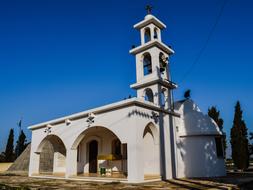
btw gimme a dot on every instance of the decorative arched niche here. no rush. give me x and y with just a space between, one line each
150 150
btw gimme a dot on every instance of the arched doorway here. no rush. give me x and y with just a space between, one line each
98 147
52 153
93 153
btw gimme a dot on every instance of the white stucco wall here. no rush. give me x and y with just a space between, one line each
127 124
195 143
59 163
197 157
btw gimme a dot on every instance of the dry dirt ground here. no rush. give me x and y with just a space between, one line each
12 182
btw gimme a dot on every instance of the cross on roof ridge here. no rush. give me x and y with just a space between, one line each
149 9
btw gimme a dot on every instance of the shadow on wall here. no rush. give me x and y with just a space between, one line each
52 155
196 143
46 158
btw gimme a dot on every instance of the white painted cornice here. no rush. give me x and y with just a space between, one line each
103 109
151 81
150 19
150 44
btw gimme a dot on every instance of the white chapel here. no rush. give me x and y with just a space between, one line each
146 138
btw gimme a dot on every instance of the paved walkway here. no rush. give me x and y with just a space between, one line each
42 184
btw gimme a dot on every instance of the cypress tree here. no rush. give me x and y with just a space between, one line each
21 144
2 157
251 145
9 154
215 115
239 141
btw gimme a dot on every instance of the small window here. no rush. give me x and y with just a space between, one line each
116 147
147 35
149 96
147 64
219 147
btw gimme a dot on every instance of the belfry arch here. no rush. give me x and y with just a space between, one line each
147 64
147 35
148 95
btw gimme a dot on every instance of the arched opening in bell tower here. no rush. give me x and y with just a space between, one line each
162 62
147 35
147 64
155 33
149 96
163 98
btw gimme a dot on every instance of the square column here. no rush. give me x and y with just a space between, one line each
135 163
71 163
167 147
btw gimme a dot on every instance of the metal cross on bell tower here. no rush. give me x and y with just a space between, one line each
149 9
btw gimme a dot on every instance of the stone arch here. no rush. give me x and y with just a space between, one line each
52 155
148 95
147 63
86 159
82 134
54 139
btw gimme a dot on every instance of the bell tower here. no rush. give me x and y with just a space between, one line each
153 81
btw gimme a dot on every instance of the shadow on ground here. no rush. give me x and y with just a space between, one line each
232 181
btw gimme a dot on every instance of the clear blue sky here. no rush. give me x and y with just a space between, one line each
59 57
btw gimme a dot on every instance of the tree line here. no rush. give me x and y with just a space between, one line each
241 147
11 153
